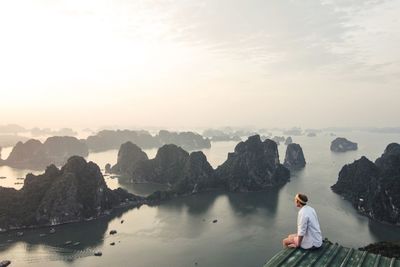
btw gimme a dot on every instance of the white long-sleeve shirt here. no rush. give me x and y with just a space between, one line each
308 227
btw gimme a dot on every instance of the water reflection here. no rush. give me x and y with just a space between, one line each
69 242
195 204
142 189
245 204
384 231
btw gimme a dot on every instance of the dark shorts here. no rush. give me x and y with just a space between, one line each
313 248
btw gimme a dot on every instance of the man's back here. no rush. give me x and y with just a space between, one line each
308 227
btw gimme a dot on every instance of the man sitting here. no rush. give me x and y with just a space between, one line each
308 231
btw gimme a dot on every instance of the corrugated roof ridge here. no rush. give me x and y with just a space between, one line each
325 248
392 262
347 258
299 259
277 256
326 257
377 259
333 255
363 256
284 257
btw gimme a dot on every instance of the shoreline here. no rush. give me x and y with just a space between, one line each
105 214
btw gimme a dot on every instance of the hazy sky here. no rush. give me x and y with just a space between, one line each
200 63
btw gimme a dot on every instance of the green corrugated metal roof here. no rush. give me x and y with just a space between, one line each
330 255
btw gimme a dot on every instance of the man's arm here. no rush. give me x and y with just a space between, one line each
301 227
300 238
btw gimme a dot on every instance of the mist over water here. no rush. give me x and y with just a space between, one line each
180 232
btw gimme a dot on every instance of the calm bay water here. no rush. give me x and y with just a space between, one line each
181 233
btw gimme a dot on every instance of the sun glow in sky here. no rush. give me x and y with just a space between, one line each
199 63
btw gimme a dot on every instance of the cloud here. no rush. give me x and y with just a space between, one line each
293 36
202 61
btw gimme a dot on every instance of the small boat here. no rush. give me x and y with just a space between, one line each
20 233
76 243
68 243
42 235
52 231
98 253
113 232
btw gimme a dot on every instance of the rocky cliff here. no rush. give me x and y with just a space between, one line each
36 155
129 155
254 165
288 140
341 144
183 172
373 188
294 158
165 168
73 193
197 175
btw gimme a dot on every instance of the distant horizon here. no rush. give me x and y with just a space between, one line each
232 127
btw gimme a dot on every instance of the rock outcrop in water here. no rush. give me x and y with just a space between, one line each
108 139
165 168
129 155
288 140
254 165
73 193
373 188
36 155
172 166
197 175
341 144
186 140
107 168
294 158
